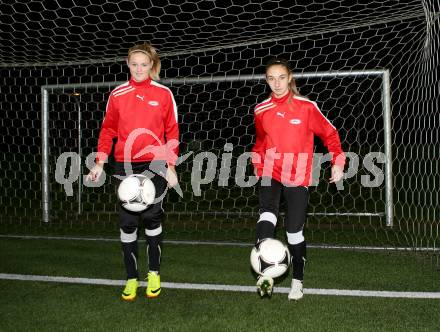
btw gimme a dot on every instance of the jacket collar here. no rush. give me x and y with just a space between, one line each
145 83
282 99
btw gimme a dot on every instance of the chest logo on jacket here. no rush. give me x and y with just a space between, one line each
295 121
140 97
281 114
153 103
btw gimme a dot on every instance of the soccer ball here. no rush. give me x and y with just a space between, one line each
270 258
136 192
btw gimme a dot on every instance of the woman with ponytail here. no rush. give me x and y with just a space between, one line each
286 124
141 116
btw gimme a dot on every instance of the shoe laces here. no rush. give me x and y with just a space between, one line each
131 286
297 285
153 280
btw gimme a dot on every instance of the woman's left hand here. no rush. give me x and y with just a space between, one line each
337 173
171 176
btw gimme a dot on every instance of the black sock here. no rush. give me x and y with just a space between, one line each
265 229
154 248
130 251
298 254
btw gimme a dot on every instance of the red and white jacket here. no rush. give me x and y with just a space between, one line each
285 129
143 118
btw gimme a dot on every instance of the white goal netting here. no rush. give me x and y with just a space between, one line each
372 67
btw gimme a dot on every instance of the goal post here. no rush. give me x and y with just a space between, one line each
78 90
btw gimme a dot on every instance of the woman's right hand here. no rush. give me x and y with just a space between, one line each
256 173
96 172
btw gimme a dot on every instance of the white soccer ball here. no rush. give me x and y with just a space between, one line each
136 192
270 258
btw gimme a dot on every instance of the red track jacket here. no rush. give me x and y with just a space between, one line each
285 129
143 118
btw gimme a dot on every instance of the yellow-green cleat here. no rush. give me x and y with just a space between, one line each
129 292
153 284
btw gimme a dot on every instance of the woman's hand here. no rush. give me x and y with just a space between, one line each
337 173
96 172
256 173
171 176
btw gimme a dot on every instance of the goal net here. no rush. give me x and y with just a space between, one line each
371 67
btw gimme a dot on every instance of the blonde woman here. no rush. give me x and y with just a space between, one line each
141 115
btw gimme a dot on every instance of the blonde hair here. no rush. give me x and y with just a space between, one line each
151 52
285 64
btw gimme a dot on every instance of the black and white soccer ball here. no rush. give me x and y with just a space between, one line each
270 258
136 192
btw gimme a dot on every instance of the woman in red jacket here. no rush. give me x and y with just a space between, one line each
286 124
141 115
